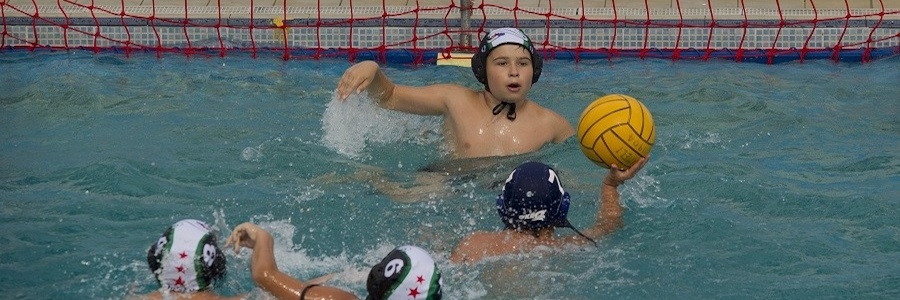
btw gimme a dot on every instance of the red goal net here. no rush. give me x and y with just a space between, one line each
422 31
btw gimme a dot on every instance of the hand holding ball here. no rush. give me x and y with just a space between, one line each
616 129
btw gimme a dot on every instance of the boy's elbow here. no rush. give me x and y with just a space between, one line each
263 276
613 225
605 227
258 275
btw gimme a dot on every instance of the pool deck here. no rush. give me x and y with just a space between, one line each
327 9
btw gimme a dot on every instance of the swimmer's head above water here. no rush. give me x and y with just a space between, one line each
503 36
533 198
407 272
186 258
494 39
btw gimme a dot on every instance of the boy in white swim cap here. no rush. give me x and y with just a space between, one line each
187 262
407 272
533 203
497 121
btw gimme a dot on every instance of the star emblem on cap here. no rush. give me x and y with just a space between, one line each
414 292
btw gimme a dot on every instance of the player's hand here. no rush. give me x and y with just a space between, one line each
244 235
356 79
617 177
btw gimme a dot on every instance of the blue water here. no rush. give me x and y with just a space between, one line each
767 181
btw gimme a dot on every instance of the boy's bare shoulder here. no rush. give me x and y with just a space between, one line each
446 90
482 240
548 116
543 111
460 95
474 247
451 87
482 236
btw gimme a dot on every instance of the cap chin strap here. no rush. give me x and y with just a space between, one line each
511 114
581 234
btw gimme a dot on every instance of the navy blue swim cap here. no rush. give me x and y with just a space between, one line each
533 198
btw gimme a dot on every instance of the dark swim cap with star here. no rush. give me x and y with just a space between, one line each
503 36
185 259
407 272
533 198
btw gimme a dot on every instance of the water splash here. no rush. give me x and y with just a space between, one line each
644 191
356 122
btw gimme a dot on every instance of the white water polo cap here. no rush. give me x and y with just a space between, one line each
407 272
503 36
186 259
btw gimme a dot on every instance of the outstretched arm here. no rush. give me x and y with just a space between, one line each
426 100
264 270
609 216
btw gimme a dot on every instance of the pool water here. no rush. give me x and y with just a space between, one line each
766 181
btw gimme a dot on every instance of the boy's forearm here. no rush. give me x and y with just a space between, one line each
381 88
265 271
609 215
263 258
610 208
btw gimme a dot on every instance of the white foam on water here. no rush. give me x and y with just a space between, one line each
644 191
691 140
350 125
251 154
293 259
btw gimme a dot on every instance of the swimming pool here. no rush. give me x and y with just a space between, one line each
766 181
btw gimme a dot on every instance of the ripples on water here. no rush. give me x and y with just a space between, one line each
770 181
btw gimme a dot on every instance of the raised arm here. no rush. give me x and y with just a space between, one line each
265 272
609 216
426 100
365 76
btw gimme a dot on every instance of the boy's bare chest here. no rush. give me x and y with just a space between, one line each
490 135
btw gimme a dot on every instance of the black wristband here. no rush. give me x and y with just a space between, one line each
306 288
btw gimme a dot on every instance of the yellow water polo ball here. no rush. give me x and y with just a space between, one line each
616 129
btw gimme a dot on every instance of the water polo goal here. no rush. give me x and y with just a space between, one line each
421 32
